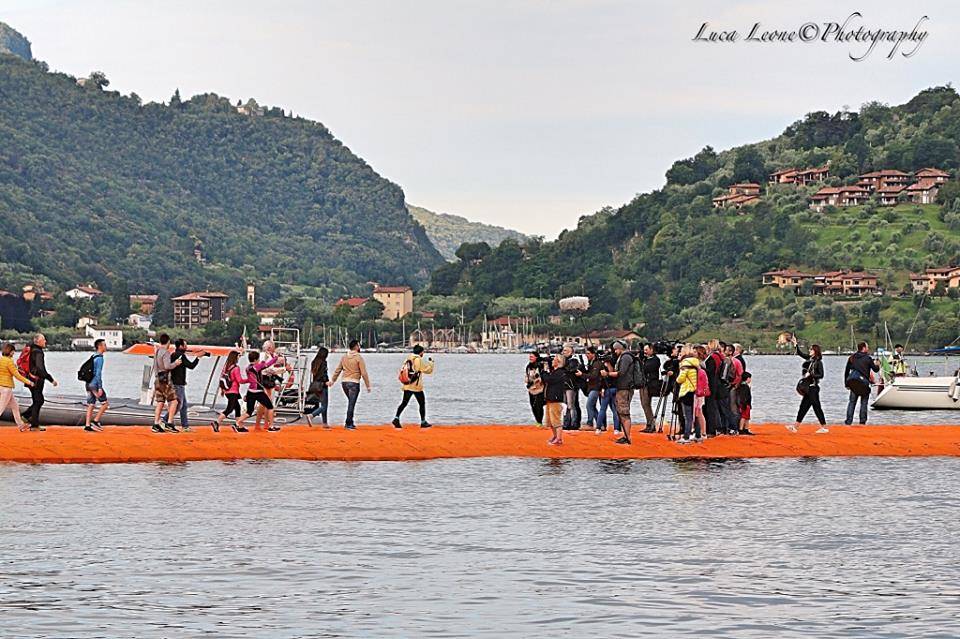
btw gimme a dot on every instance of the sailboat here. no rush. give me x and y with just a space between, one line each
935 392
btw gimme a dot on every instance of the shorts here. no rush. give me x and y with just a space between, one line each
697 406
745 412
163 393
623 400
92 397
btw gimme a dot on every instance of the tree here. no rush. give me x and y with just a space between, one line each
473 251
97 79
372 309
748 166
120 300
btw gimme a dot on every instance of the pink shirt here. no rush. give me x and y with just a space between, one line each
253 369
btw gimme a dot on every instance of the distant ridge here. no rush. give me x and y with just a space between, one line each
13 42
448 232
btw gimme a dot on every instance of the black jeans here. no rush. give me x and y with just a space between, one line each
728 421
536 405
421 400
571 418
32 414
811 400
711 415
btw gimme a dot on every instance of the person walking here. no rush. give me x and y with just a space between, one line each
231 377
652 386
38 374
608 398
163 393
555 379
414 368
534 383
178 377
857 375
624 378
256 395
353 369
8 373
94 387
809 386
593 385
689 370
319 376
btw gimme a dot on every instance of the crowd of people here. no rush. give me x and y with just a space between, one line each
698 391
706 386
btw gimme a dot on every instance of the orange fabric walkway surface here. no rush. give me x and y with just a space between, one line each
383 443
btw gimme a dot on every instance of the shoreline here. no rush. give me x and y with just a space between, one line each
131 444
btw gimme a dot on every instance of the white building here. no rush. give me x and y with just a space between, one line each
85 321
112 335
83 292
140 321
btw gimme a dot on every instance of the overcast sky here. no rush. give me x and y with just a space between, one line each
523 113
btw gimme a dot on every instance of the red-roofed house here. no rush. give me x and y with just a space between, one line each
786 278
887 177
936 175
397 300
890 195
83 292
352 302
783 176
923 192
927 281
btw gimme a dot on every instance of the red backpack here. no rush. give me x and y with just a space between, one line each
23 362
703 384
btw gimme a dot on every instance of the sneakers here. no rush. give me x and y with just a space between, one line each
240 429
89 429
599 431
215 426
684 441
157 428
170 428
622 440
791 428
185 429
350 427
396 423
273 429
746 431
36 429
823 429
425 424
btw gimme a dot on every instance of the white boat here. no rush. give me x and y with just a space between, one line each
935 392
920 393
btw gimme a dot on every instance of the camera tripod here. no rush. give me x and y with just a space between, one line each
660 412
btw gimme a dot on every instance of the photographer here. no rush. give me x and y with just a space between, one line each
593 383
533 378
623 376
671 373
651 385
574 373
608 396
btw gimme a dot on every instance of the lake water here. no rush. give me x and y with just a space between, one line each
482 548
489 388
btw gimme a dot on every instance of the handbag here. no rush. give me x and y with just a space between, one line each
803 386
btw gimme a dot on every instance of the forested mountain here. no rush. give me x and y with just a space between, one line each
97 187
448 232
671 260
11 41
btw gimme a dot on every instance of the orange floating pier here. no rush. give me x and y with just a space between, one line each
120 444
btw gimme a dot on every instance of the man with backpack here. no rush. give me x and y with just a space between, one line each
411 377
163 392
856 374
624 376
35 368
91 374
651 386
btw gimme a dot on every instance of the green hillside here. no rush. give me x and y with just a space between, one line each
670 260
97 187
448 232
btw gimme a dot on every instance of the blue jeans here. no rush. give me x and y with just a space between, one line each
607 400
321 409
181 392
592 398
352 391
852 404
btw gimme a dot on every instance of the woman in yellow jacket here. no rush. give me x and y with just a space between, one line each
9 372
687 379
414 368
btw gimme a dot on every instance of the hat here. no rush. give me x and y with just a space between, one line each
619 344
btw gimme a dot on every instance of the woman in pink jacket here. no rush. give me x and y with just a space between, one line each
230 380
255 393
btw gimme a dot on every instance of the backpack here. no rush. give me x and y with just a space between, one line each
265 382
85 374
23 361
637 376
703 384
408 373
728 373
225 381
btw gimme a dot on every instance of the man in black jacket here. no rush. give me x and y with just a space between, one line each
178 378
592 385
39 375
856 376
651 386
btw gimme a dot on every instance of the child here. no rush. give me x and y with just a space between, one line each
745 400
8 371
